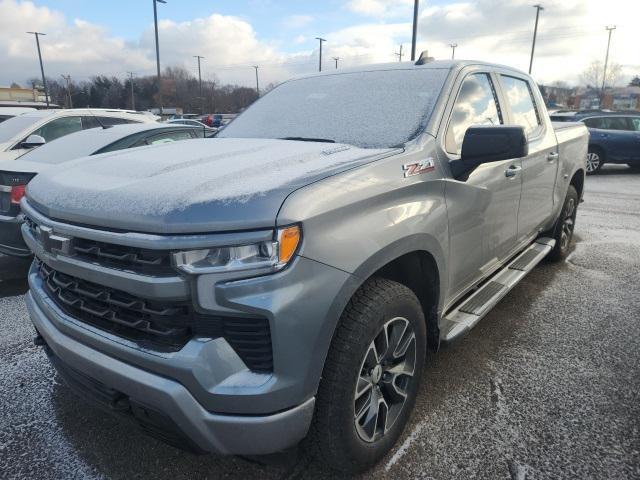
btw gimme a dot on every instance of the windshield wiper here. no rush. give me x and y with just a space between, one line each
307 139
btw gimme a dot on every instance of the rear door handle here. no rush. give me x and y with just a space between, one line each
512 171
552 157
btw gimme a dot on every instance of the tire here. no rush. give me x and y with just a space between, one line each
346 433
562 231
595 160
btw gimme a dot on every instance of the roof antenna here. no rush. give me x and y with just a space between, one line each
97 119
424 58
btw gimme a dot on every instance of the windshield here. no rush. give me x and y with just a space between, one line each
376 109
11 127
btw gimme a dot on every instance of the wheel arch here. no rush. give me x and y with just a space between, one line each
577 181
417 262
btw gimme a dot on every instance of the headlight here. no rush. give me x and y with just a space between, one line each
261 257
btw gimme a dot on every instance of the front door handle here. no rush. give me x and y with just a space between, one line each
512 171
552 157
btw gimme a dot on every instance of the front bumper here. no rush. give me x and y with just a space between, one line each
167 399
11 241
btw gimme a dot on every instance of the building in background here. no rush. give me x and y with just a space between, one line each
15 96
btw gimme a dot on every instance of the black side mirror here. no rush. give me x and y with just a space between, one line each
492 143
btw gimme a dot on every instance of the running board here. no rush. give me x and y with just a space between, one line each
465 316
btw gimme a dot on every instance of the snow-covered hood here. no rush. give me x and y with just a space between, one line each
197 186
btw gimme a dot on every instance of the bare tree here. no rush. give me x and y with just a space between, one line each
592 75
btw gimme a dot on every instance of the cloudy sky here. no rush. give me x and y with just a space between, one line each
88 37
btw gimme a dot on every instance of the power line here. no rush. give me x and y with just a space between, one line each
67 79
321 40
610 29
257 80
453 50
133 100
399 54
538 7
44 80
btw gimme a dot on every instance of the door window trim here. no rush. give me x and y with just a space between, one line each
496 99
541 129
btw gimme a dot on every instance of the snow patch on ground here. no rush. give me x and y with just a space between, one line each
404 448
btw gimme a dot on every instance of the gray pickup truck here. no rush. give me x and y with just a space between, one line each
284 280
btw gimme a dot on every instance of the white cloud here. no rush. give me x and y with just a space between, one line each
380 8
571 34
297 21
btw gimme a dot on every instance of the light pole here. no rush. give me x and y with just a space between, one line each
453 50
610 29
400 54
200 83
416 7
321 40
133 100
336 60
155 23
67 79
257 80
535 34
44 80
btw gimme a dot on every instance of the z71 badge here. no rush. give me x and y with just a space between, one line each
416 168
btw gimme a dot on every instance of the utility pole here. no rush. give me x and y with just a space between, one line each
133 100
44 80
257 81
336 60
200 83
453 50
67 79
538 7
155 23
610 29
416 7
399 54
321 40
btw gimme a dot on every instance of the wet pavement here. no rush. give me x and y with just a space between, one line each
546 386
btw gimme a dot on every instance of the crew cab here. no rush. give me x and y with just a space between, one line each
284 280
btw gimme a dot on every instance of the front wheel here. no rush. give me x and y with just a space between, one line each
563 230
371 376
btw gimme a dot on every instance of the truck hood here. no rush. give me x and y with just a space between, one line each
194 186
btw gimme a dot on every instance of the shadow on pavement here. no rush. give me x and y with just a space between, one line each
13 275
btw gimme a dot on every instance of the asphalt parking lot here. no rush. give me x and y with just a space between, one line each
547 385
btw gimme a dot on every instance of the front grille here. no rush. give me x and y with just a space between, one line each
161 326
137 260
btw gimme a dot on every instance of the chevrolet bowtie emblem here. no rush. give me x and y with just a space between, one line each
52 242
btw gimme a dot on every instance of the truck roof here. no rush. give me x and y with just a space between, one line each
433 65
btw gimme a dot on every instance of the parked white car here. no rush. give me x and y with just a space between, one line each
23 132
9 112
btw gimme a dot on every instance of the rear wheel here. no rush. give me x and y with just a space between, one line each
563 229
371 376
595 160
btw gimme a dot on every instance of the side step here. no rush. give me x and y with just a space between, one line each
465 316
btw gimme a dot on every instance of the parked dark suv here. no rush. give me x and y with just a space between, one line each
615 138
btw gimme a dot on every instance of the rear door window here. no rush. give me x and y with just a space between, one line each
59 128
476 105
610 123
167 137
523 107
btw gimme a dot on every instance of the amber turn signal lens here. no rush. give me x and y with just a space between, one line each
288 243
